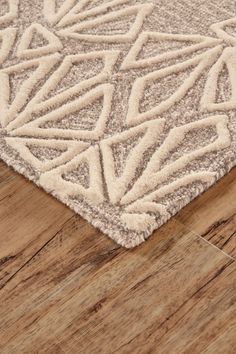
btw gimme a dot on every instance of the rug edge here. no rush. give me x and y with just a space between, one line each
114 235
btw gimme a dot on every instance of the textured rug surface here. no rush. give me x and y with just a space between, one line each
123 110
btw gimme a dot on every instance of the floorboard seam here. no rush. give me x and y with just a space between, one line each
209 243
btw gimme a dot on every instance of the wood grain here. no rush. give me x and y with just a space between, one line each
28 219
213 214
69 289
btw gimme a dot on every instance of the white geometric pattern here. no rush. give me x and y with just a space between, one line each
11 14
41 67
7 39
24 50
117 185
34 128
140 11
78 117
52 15
196 43
154 174
199 63
220 29
68 150
40 103
208 102
54 178
79 12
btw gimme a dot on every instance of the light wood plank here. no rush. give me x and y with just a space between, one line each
84 294
213 214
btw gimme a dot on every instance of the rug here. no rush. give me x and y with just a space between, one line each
123 110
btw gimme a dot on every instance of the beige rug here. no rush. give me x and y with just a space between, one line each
123 110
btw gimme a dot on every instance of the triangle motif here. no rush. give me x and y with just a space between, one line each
63 151
117 185
87 9
36 128
48 97
56 178
79 175
78 31
181 45
25 50
9 108
196 65
155 173
82 119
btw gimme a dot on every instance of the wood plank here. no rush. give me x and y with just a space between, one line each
6 174
83 294
204 323
213 214
28 219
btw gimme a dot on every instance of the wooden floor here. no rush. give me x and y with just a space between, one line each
66 288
